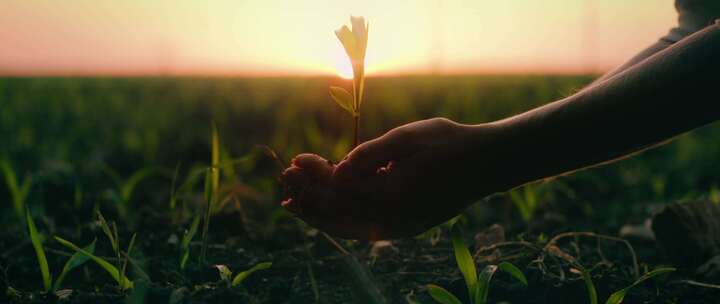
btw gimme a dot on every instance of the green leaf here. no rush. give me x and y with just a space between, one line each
343 98
36 240
464 260
441 295
190 234
209 197
128 188
173 190
215 158
75 261
240 277
483 284
112 270
224 271
18 192
108 232
618 296
363 286
589 285
514 272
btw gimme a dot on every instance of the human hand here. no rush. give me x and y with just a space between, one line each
410 179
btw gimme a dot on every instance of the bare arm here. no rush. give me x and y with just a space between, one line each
669 93
424 173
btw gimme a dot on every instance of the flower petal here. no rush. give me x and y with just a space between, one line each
348 41
360 31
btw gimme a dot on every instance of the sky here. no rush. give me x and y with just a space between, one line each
295 37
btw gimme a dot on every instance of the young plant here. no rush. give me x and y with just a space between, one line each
210 201
355 43
19 192
126 187
226 273
75 260
526 200
478 285
122 258
36 240
119 277
618 296
187 238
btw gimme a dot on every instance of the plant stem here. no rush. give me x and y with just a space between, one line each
357 126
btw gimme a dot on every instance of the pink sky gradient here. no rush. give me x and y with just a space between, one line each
272 37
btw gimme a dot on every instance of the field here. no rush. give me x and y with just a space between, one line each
136 151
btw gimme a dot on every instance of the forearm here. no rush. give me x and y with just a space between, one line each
672 92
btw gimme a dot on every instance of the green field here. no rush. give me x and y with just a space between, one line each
136 149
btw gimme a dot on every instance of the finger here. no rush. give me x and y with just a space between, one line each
315 165
376 153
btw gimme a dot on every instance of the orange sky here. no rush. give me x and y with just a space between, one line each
272 37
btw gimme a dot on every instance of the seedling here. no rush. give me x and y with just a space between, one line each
75 260
355 44
526 200
36 240
187 238
226 273
112 235
210 200
618 296
123 282
126 187
478 286
19 192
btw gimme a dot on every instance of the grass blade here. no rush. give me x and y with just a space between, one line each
240 277
483 284
173 190
209 198
464 260
123 281
76 260
441 295
187 238
215 158
106 229
362 284
18 192
513 271
589 285
36 240
618 296
128 187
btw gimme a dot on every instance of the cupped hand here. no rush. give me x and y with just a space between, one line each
410 179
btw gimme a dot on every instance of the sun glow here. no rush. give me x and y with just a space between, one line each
276 37
343 67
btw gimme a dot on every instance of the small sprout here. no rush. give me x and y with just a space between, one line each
514 272
122 280
464 260
36 240
187 238
240 277
589 285
441 295
75 261
483 284
618 296
19 192
225 273
355 43
478 285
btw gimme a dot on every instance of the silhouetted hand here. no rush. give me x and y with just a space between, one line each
400 184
